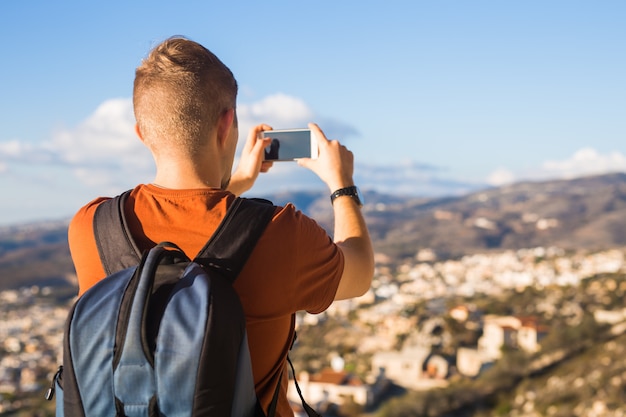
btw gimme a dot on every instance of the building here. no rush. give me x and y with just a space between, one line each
412 367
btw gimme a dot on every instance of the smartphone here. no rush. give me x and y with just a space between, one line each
290 144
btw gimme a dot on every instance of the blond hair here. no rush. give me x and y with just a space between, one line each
180 91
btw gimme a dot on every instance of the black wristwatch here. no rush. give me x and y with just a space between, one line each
352 192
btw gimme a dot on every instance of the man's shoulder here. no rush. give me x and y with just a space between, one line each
88 211
84 216
91 207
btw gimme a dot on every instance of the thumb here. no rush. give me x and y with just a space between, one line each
305 162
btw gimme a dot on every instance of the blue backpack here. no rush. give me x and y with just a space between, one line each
162 335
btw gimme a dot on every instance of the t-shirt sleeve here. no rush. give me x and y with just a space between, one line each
83 247
297 259
318 267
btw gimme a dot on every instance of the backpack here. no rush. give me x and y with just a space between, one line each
162 335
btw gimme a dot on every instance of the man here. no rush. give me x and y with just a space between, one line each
184 100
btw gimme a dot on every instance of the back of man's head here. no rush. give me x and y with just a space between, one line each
180 91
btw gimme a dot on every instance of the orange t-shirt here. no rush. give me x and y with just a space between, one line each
295 266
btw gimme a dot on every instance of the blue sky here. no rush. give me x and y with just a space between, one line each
433 97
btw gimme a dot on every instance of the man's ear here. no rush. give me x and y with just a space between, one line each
138 132
224 126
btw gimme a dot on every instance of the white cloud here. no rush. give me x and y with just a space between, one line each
584 162
107 134
15 150
409 178
12 148
278 110
103 150
286 112
501 176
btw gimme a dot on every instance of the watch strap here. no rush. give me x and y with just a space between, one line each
351 191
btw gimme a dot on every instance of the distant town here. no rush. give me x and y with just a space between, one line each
414 363
401 349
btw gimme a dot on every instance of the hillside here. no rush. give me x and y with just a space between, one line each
35 254
584 213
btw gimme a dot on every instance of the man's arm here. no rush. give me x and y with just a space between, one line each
334 166
353 239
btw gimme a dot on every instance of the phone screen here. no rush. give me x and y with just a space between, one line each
288 145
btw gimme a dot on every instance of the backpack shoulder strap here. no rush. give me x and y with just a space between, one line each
236 236
116 247
242 226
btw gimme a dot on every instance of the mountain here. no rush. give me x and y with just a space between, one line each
584 213
35 254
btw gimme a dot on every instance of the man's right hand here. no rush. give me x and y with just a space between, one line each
334 164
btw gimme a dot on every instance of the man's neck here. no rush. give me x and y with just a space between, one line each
186 176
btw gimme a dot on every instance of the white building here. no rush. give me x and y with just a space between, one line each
414 368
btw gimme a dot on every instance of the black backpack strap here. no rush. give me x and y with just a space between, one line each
310 412
116 247
307 408
271 411
236 236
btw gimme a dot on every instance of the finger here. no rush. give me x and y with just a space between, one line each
266 165
255 135
321 137
304 162
263 142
